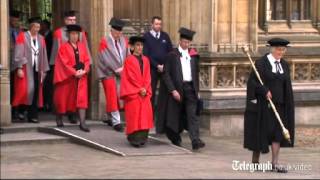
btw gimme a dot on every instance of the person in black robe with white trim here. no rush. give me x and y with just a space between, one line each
261 127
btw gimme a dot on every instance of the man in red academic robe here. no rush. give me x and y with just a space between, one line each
60 36
136 92
29 65
112 53
70 78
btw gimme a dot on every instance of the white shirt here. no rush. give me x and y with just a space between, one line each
34 51
154 33
119 47
185 60
272 61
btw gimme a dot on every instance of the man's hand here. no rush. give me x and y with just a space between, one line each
176 95
160 68
143 92
43 76
80 73
269 95
20 73
119 70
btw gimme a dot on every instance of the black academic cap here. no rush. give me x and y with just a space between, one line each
117 24
278 42
134 39
186 33
15 14
70 13
34 20
74 27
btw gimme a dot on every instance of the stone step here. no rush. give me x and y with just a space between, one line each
30 137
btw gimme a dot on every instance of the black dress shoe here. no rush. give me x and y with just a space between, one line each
176 143
33 120
279 169
118 127
84 128
201 143
59 123
109 122
197 144
72 119
21 117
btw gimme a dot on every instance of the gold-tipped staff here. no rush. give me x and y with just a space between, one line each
285 131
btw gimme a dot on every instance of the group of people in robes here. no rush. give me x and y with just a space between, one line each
130 72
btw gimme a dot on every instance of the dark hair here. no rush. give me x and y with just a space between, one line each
46 22
155 17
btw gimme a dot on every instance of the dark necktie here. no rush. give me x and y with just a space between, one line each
157 35
278 69
116 43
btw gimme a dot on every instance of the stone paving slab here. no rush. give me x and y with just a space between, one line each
29 137
105 138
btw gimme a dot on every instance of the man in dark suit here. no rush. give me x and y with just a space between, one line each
48 82
156 46
178 94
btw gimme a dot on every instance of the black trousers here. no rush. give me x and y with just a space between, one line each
189 107
155 77
32 110
48 90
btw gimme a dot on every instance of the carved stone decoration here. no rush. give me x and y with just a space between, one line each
301 71
224 76
205 77
242 75
315 72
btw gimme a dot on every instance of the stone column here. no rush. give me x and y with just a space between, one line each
267 15
318 14
195 15
5 107
101 13
253 24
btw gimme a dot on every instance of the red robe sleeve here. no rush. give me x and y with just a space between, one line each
64 66
131 80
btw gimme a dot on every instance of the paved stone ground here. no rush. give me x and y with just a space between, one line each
67 160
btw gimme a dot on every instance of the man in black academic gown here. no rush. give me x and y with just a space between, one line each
261 128
46 32
178 94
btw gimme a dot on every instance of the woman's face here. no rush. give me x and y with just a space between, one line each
278 52
138 48
34 28
73 36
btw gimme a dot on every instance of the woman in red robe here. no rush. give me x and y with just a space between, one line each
70 78
135 90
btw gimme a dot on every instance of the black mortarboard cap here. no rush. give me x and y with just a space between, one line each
34 20
134 39
70 13
186 33
15 14
278 42
74 27
117 24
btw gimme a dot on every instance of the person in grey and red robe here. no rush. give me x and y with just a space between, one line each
30 65
112 53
